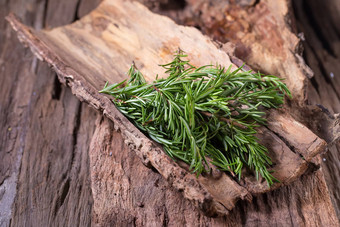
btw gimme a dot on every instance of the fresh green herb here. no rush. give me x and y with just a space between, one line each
203 112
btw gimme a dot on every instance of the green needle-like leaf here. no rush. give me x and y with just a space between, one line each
203 112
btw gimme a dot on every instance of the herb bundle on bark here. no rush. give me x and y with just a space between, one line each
206 113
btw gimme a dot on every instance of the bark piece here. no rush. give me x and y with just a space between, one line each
287 165
262 33
102 45
300 140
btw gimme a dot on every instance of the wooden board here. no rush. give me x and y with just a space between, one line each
44 172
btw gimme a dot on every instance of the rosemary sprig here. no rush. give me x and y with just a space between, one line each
203 112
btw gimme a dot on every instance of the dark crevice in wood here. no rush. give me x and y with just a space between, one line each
325 110
48 172
255 204
154 169
166 217
134 221
76 130
299 210
173 5
45 13
317 29
242 211
285 141
324 72
65 191
312 167
76 11
315 84
267 205
62 197
57 88
256 2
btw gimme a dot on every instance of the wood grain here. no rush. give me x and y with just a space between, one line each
46 179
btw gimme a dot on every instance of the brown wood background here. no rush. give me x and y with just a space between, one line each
46 135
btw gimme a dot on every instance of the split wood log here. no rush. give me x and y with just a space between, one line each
101 46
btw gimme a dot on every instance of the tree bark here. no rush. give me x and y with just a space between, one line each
54 165
319 24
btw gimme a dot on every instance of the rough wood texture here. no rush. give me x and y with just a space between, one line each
304 203
44 166
81 77
260 29
319 22
263 36
81 54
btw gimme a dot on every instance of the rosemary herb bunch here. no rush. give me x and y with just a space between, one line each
203 112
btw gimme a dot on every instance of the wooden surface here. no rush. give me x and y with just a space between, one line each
319 23
45 132
32 117
81 54
99 48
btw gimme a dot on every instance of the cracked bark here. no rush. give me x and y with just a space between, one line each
38 114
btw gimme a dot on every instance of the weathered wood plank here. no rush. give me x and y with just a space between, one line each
15 65
33 148
54 185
